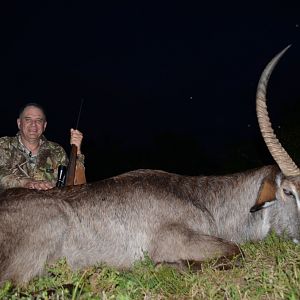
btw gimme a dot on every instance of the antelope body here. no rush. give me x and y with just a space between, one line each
174 218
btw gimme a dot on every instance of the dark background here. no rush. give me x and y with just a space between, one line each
169 86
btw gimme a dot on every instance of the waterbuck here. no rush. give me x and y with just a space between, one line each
173 218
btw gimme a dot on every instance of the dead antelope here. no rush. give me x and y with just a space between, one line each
174 218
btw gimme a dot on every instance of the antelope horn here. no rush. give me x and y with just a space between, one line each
284 161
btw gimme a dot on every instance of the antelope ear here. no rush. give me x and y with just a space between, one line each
266 195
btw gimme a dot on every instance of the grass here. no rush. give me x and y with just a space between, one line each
270 270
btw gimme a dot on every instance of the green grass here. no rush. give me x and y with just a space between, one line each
270 270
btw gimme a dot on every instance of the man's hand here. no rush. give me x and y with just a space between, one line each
38 185
76 139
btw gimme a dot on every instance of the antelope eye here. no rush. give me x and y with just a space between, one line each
288 193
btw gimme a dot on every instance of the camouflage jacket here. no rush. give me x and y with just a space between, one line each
16 162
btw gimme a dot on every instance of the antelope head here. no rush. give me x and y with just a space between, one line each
285 185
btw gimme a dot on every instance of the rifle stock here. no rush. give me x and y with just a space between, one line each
71 166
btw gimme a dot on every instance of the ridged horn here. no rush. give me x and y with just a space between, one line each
284 161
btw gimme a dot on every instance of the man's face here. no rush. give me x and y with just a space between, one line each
31 123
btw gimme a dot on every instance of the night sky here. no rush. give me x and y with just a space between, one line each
169 85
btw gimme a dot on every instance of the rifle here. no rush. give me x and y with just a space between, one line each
71 166
66 176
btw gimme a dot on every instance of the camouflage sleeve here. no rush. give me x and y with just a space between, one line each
80 159
62 156
7 177
11 181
